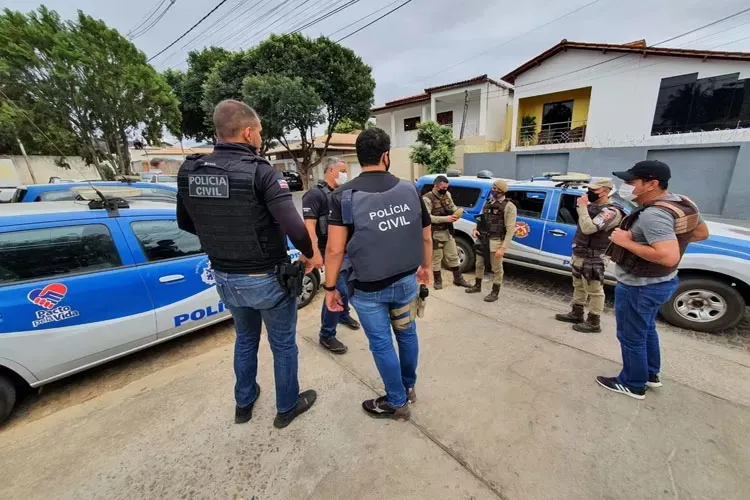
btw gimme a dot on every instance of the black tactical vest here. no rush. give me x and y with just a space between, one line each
387 239
593 245
440 209
235 229
322 229
493 215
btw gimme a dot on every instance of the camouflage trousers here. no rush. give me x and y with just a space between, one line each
497 263
444 249
588 286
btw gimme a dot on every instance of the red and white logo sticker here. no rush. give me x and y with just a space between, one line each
522 230
283 184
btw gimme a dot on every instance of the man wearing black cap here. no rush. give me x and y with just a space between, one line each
647 248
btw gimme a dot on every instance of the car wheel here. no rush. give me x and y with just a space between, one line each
705 305
310 285
466 256
7 397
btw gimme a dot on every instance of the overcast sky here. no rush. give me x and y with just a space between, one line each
427 42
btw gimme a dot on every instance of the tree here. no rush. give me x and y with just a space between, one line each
435 147
189 89
347 126
335 74
87 78
287 105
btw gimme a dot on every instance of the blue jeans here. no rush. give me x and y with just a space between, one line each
252 299
374 311
329 319
636 308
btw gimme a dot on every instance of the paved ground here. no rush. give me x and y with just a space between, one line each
508 409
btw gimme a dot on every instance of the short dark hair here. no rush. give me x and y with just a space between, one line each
664 185
231 116
371 144
440 178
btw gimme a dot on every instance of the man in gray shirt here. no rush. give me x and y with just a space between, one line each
647 249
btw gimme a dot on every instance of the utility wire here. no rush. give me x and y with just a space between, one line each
374 21
325 16
153 23
146 18
361 19
222 2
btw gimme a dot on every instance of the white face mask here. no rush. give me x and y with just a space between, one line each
626 192
342 178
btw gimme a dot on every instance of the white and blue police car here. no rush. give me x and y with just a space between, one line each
714 288
81 285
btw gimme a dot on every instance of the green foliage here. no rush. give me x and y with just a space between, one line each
82 81
435 147
347 126
189 89
528 128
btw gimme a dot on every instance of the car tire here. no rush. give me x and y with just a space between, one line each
7 397
684 307
466 246
310 286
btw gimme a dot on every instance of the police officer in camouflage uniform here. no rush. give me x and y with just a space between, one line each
597 218
442 211
495 232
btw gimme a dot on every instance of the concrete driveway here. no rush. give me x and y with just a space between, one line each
508 409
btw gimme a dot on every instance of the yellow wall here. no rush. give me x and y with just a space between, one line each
534 106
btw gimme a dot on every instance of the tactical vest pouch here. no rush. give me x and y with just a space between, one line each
290 277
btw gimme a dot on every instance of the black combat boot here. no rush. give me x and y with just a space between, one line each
458 278
492 296
592 324
438 279
477 286
574 316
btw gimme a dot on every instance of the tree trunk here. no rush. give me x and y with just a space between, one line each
122 144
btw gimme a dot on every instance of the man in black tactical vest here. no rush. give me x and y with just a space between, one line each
494 230
443 213
597 218
315 208
384 228
241 207
647 248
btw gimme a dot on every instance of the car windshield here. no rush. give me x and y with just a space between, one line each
167 178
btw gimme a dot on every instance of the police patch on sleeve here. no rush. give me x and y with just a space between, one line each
208 186
283 184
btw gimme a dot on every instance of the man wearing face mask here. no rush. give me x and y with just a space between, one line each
241 208
597 218
315 208
443 213
497 225
647 248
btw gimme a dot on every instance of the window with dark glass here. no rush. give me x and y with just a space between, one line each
58 251
445 118
556 122
162 239
528 203
566 212
687 104
411 123
465 197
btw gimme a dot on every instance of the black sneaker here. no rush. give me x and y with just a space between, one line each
411 395
613 385
381 408
305 401
653 382
334 345
350 322
242 415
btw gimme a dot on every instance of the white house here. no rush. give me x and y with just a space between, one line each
608 95
475 109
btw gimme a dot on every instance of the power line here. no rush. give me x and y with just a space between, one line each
222 2
292 20
146 18
325 16
274 16
362 18
373 21
153 23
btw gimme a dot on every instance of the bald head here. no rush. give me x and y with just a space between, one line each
232 119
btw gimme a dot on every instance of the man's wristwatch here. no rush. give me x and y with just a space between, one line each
329 288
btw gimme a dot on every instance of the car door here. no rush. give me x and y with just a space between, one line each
562 222
69 296
177 274
528 235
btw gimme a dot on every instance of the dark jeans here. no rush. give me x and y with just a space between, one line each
329 319
636 308
375 310
252 300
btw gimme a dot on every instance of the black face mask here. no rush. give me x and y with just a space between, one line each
593 196
442 192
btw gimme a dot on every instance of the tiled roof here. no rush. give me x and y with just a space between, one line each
638 47
339 142
425 96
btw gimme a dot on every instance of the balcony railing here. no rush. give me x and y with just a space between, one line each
471 129
552 133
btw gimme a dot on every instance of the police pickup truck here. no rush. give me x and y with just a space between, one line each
714 288
69 191
81 285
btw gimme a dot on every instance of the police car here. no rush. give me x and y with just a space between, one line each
714 288
82 283
69 191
